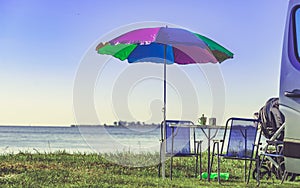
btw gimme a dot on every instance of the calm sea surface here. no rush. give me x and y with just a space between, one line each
88 139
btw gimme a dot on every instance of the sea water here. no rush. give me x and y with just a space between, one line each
83 139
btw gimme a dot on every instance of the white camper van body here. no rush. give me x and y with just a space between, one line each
289 96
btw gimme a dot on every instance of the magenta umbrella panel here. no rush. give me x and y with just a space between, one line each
156 45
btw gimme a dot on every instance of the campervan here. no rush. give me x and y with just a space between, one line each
289 96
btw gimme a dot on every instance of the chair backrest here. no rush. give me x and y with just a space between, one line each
179 133
242 138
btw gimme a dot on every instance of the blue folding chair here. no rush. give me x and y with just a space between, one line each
181 142
241 143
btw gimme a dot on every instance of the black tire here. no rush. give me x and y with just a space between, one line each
265 173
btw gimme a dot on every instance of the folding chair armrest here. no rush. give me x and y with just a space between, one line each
273 155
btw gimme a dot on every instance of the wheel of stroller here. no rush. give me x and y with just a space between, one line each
264 173
280 172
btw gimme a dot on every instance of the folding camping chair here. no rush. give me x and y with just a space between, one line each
239 143
181 142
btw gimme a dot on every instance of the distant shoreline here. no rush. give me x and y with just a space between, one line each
145 125
72 125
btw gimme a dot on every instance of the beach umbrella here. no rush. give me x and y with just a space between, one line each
164 45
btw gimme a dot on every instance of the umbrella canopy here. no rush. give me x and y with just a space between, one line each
164 45
148 45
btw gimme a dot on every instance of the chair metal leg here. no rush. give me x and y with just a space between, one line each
196 167
250 167
159 164
200 172
245 171
216 145
260 163
197 159
284 176
198 153
258 171
213 154
171 167
219 178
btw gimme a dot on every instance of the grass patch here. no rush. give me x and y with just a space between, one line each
124 169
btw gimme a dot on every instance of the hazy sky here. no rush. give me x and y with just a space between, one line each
43 44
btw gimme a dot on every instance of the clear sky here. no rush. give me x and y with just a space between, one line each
43 44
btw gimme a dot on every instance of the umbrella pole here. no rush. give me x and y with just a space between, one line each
163 167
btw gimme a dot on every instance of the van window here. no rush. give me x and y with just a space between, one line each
297 32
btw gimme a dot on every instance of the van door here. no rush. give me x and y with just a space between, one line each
290 88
